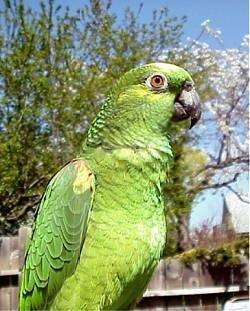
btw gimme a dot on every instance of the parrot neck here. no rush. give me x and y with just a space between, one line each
151 159
137 139
145 143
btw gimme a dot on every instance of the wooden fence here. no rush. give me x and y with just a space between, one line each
173 287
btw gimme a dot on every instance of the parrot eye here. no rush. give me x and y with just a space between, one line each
157 81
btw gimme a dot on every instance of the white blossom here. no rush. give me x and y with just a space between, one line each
223 132
216 33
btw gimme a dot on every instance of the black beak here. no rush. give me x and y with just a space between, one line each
187 105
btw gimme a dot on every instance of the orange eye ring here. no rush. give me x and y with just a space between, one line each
157 81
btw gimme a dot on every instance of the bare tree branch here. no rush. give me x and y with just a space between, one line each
237 194
224 164
203 186
29 205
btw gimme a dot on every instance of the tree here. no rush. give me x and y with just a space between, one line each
222 137
225 120
56 67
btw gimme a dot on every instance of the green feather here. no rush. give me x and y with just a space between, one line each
56 238
100 228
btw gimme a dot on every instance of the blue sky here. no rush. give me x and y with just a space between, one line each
230 16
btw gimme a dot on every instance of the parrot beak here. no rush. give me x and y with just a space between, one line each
187 105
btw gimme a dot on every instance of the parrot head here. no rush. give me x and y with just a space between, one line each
143 102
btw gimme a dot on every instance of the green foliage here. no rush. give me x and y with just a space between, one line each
227 255
180 190
56 67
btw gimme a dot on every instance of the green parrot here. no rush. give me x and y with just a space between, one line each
100 229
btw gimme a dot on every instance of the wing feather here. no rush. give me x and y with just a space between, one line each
58 235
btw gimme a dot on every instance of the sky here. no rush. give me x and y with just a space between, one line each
228 16
207 208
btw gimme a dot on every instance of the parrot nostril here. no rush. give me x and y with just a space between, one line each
188 86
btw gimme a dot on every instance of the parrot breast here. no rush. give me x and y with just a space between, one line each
124 242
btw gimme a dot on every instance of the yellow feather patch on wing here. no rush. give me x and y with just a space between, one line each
84 177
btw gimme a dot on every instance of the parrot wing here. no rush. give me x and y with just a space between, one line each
58 234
